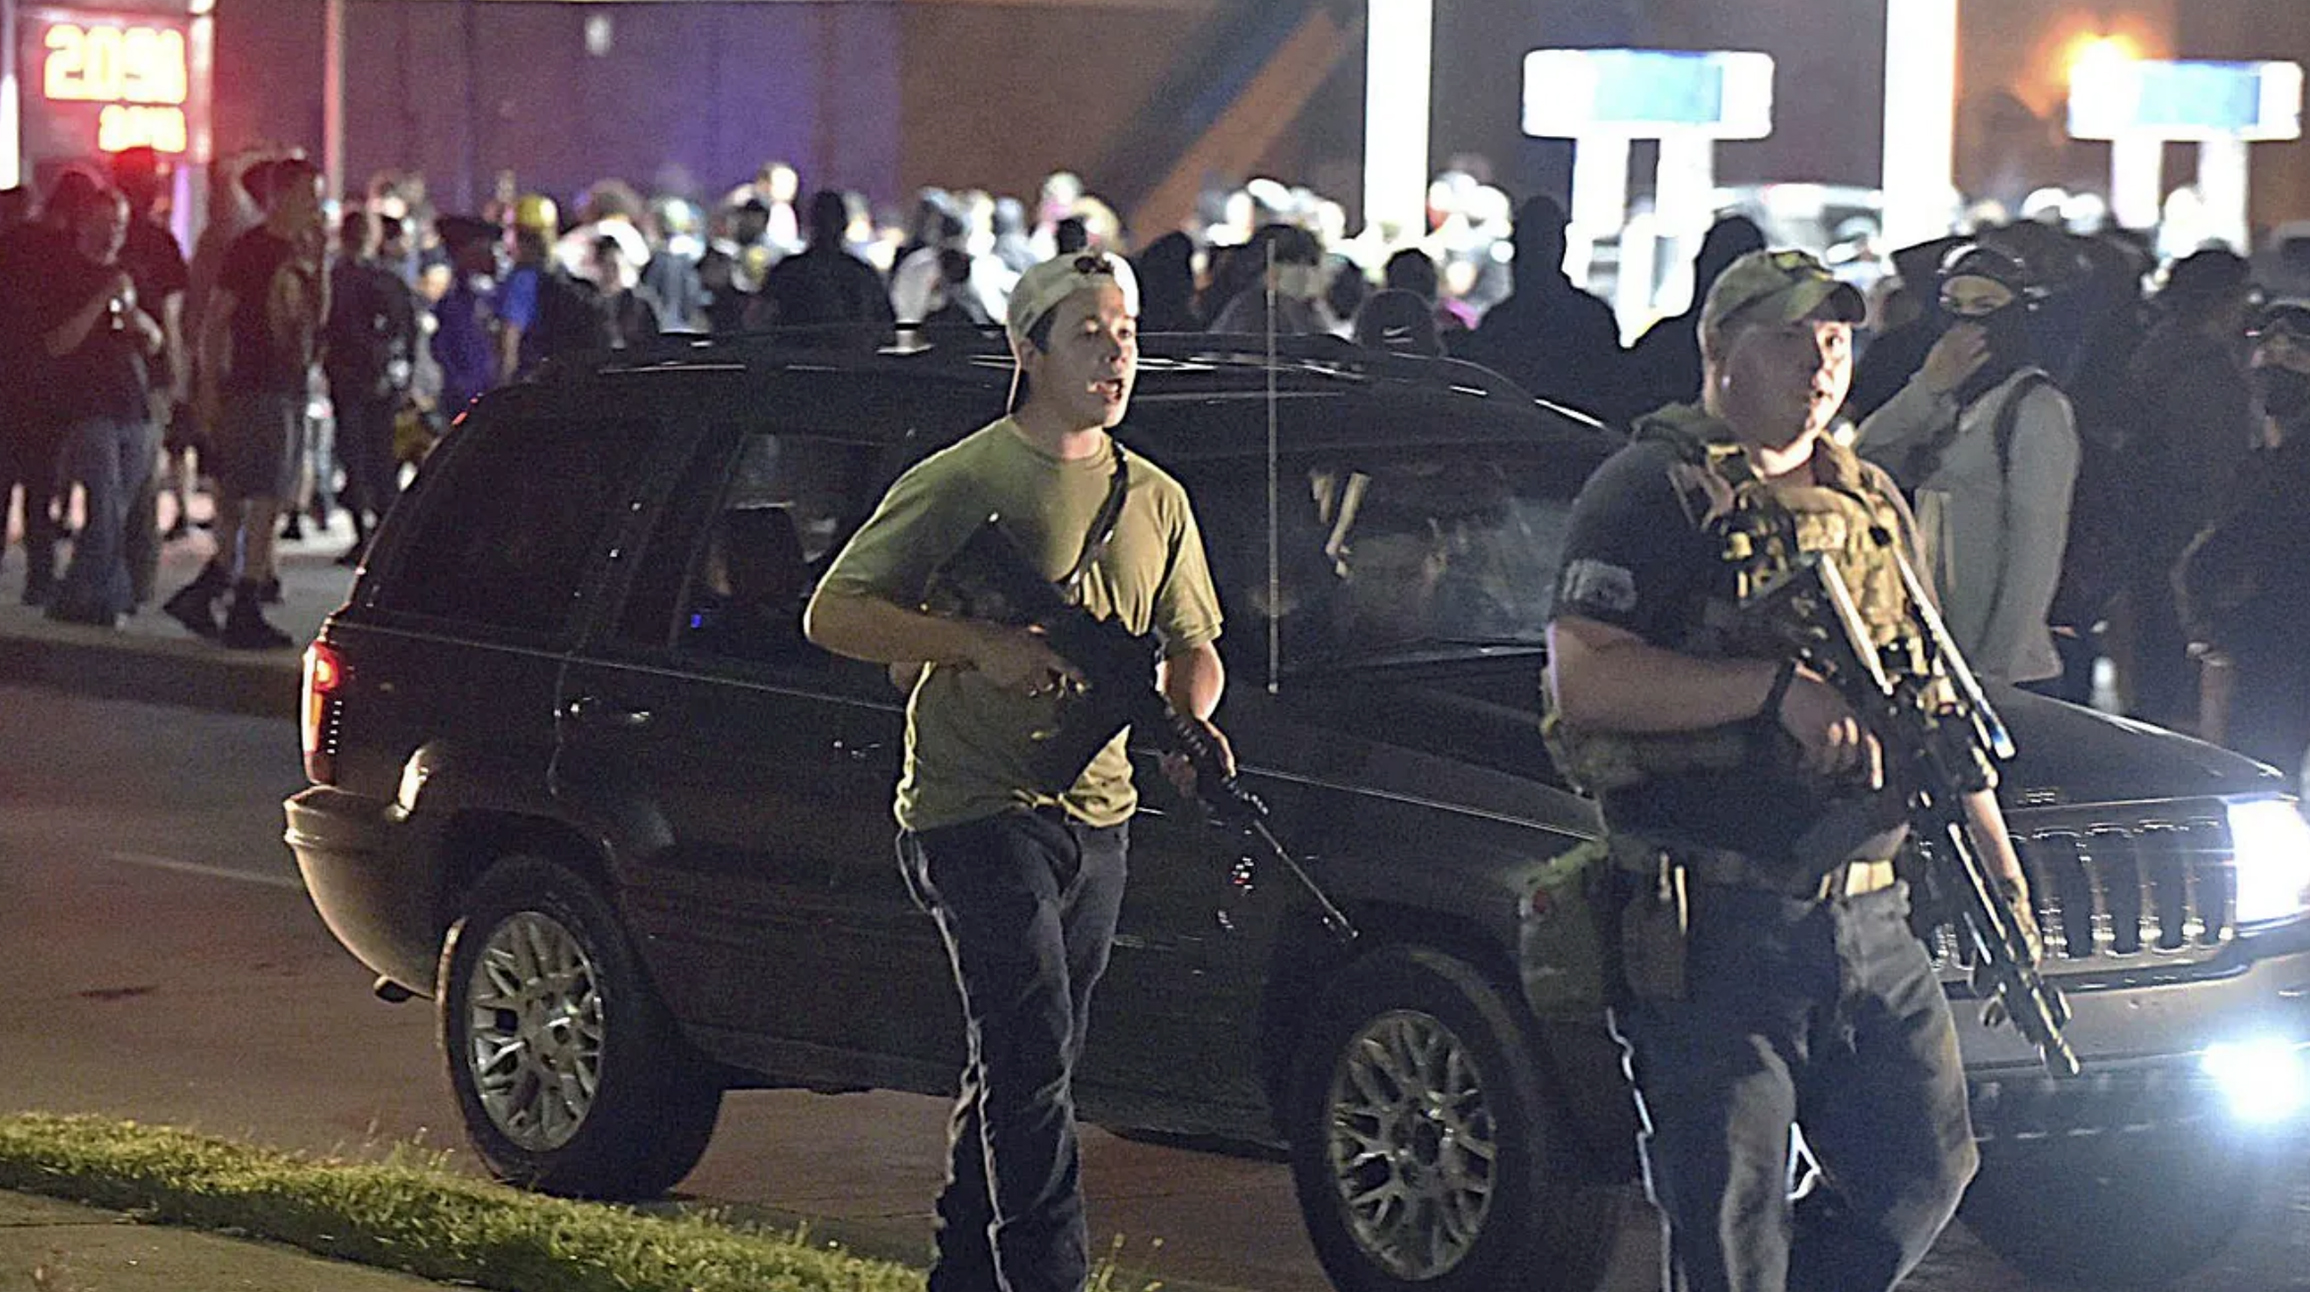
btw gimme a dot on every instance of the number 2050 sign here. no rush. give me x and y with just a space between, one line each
130 73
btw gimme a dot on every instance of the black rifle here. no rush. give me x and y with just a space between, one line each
993 580
1941 745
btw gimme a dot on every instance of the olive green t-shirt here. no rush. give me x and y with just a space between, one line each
968 745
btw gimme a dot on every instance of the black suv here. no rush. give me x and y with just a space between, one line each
578 777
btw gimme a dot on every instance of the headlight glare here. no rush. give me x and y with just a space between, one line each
2265 1080
2271 842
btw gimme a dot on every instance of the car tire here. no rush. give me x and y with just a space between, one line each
1420 1140
2114 1210
570 1074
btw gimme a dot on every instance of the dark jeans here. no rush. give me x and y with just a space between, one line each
1821 1015
111 459
2164 679
365 448
1026 903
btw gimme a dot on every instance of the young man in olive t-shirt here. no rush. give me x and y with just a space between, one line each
1025 878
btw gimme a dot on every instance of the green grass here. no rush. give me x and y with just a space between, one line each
412 1213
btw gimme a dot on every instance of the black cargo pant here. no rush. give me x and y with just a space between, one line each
1026 902
1820 1014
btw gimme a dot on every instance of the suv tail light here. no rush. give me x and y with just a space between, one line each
324 681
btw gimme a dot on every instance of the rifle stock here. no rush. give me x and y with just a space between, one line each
996 581
1940 752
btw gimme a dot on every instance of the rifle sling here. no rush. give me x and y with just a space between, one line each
1102 531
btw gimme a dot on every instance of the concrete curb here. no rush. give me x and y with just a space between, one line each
191 674
152 659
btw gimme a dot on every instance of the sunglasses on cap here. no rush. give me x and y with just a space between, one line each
1799 262
1794 267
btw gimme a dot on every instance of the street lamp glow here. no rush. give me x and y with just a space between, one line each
2097 56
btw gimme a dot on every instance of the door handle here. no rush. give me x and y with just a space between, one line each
594 711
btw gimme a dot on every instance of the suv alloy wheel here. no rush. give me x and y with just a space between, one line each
569 1073
1419 1139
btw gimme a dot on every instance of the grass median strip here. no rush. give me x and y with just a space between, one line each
411 1213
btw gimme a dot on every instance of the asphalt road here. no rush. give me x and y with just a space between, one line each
158 960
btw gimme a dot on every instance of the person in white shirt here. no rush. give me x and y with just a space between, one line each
1987 444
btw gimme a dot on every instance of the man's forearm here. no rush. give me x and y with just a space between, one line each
1990 838
173 346
1611 681
1193 680
884 632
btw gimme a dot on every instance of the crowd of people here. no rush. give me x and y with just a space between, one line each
2066 433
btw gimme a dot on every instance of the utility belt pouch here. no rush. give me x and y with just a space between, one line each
1655 928
1570 943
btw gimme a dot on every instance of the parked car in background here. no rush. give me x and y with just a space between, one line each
578 778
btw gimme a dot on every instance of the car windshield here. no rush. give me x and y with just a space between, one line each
1386 557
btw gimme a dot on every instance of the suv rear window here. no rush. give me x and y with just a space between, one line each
503 536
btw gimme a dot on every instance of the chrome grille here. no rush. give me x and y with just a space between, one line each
2107 894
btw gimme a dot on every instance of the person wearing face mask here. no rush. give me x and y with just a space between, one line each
2244 583
1987 445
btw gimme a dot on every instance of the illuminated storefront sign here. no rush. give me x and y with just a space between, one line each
104 82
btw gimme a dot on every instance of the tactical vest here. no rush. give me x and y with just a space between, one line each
1840 508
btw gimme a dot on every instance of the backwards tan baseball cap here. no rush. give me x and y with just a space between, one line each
1778 287
1043 286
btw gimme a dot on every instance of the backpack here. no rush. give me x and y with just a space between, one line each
2094 551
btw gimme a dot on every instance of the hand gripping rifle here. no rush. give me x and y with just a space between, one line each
1940 751
995 581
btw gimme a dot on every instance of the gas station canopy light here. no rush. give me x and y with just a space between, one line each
1647 93
2113 98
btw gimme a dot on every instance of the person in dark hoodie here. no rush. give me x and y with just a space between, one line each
1167 285
2195 428
1550 337
2244 583
824 286
1664 365
1894 357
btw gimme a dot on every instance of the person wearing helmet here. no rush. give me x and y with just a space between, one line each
543 309
1021 861
1985 442
536 223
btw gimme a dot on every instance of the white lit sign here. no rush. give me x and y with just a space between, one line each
2116 98
1647 93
